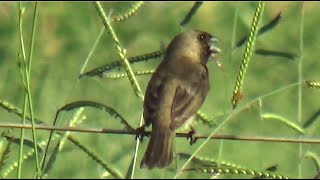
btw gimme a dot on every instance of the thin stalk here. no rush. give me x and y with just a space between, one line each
300 87
20 158
25 67
28 75
22 139
136 149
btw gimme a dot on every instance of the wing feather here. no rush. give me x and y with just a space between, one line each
188 98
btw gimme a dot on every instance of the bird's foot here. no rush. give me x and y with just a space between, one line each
191 135
140 133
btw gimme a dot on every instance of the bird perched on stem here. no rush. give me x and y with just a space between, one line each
176 91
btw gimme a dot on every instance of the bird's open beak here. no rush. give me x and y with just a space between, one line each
214 50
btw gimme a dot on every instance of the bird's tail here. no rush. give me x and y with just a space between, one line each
159 151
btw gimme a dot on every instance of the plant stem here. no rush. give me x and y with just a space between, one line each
20 61
300 88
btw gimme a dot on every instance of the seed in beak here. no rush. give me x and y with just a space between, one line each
214 49
216 61
214 39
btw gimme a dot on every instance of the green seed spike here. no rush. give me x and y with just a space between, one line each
5 155
121 52
205 119
109 110
123 75
237 93
13 109
228 170
107 67
131 12
107 166
313 84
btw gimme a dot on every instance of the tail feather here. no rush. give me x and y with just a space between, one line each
159 151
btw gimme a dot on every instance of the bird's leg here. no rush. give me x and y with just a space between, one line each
140 133
191 135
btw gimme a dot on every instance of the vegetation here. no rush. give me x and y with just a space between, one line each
74 74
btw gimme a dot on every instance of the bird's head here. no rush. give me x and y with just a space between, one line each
195 45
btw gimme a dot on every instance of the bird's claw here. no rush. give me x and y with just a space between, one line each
140 133
191 135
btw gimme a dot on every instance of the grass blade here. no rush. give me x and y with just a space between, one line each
191 13
285 121
264 52
272 24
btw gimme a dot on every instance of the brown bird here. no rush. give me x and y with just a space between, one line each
175 92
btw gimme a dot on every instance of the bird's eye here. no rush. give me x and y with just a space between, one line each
201 37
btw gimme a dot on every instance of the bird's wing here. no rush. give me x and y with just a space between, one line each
157 95
168 97
188 98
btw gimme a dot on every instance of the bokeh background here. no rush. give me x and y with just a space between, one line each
66 32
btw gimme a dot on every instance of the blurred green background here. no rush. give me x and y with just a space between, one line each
66 32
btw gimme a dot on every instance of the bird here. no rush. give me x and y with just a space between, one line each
176 91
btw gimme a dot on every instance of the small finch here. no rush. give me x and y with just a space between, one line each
175 92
